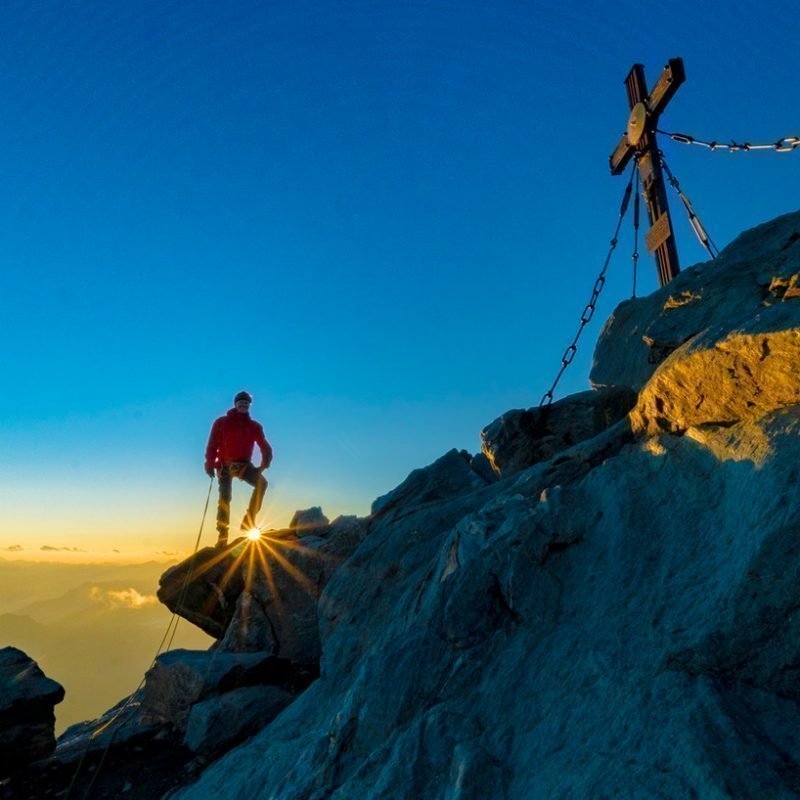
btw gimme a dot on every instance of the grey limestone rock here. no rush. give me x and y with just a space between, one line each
181 678
615 619
448 477
250 630
726 374
759 269
309 520
262 596
219 722
521 438
483 466
27 719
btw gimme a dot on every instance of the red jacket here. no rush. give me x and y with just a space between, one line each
232 439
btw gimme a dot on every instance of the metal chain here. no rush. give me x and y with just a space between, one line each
697 226
635 256
589 308
784 145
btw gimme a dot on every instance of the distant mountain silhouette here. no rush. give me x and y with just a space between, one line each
91 643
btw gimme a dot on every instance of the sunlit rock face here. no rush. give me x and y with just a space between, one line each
27 719
749 294
616 620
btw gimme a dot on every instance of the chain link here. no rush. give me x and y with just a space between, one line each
694 221
635 256
590 307
784 145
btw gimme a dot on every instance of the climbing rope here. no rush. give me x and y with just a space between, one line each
168 637
697 226
784 145
589 308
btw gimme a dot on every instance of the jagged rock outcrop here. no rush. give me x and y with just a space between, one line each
262 596
197 693
617 620
219 722
27 719
451 476
309 520
616 616
758 271
521 438
734 333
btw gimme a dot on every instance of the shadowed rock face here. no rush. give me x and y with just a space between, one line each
181 680
617 620
309 520
519 439
27 720
262 596
615 617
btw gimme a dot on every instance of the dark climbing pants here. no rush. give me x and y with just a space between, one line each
244 471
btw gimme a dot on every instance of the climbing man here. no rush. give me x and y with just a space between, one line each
229 454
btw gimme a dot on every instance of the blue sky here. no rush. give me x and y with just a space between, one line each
382 219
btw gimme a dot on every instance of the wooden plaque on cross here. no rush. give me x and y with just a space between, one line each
640 138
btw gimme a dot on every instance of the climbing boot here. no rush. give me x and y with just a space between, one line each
222 538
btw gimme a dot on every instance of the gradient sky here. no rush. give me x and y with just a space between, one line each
381 218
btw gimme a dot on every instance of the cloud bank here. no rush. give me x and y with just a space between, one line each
124 598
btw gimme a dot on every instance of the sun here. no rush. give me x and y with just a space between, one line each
253 535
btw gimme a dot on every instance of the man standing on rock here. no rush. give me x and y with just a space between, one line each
229 453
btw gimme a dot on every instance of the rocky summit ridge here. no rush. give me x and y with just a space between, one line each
602 604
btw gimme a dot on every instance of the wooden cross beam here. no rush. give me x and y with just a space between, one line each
640 138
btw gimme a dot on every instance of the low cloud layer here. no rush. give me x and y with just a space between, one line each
124 598
14 548
49 548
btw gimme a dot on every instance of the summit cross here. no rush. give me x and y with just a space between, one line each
640 138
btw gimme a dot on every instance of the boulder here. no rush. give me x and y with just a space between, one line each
521 438
205 587
449 476
27 719
759 269
310 520
253 595
726 374
345 535
250 630
483 466
262 596
219 723
181 678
